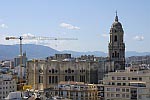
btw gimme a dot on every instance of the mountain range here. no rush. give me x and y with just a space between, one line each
40 51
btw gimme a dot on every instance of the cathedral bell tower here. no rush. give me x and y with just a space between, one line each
116 45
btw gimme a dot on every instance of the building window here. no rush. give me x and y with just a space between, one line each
53 77
115 53
72 71
115 38
112 95
69 70
52 70
140 78
124 84
108 89
128 78
112 55
82 94
127 90
56 71
49 79
118 84
134 78
40 79
62 93
118 78
82 78
117 95
65 71
108 94
123 95
56 93
76 93
113 78
117 89
72 78
113 83
123 90
127 95
66 78
56 79
123 78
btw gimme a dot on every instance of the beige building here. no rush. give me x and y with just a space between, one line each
43 74
129 84
75 90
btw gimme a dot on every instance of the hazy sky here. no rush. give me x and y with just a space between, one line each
87 20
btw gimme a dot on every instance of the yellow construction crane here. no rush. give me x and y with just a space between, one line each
21 80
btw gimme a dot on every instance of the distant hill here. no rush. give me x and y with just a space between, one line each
134 53
32 51
103 54
77 54
40 51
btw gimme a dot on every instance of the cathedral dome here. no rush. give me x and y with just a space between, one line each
116 26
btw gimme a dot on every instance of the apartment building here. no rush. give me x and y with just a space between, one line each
75 90
130 84
7 85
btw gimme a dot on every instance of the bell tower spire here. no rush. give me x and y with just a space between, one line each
116 18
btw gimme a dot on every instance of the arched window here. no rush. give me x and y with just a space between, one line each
52 70
69 70
112 55
115 53
115 38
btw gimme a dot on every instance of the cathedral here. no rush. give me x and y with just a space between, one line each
47 73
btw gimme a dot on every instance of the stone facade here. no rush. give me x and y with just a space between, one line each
42 74
116 45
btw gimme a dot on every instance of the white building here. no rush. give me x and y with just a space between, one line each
7 85
126 85
20 71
